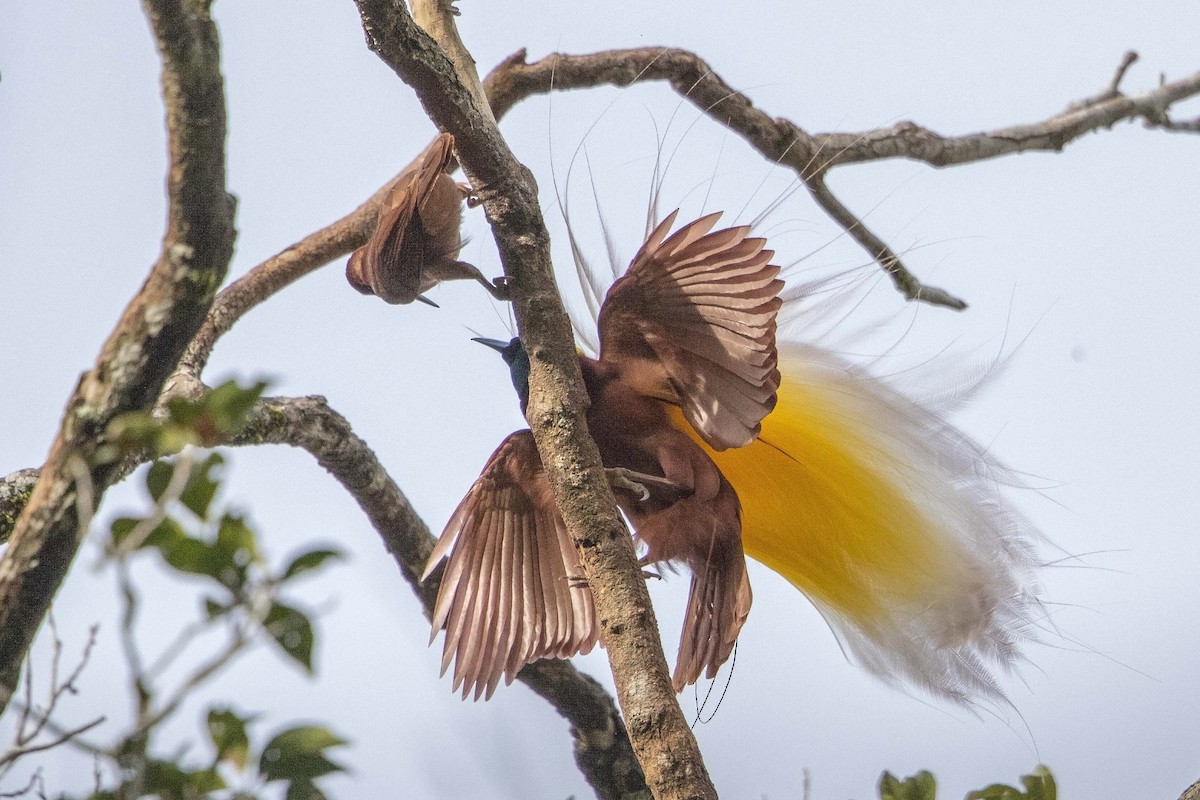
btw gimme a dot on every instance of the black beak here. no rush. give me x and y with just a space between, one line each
427 301
495 344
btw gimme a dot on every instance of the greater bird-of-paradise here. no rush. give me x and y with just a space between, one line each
721 442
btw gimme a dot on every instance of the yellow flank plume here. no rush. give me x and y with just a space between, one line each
891 522
820 508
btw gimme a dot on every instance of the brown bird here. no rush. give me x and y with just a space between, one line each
416 241
691 325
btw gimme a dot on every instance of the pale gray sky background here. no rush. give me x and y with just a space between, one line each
1083 263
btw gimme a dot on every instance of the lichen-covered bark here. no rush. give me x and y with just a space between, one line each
15 490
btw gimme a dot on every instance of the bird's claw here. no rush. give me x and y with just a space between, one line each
500 289
620 478
469 195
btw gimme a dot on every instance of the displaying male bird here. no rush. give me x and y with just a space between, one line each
691 324
888 518
416 241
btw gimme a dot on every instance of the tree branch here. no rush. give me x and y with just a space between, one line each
659 732
148 340
812 155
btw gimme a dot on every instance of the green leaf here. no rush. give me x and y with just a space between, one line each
229 403
298 755
183 411
203 781
228 734
303 790
122 527
309 561
292 631
921 786
1039 785
190 555
237 541
157 478
165 535
171 782
194 557
201 487
213 608
135 429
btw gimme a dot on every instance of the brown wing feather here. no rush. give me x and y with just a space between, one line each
509 593
693 322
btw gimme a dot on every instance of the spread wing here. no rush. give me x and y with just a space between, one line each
391 263
510 592
692 322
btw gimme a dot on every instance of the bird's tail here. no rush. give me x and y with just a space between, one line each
891 521
718 605
705 534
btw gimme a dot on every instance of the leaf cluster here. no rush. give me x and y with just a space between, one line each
1039 785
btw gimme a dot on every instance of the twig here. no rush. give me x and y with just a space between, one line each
175 648
34 780
905 281
129 599
14 753
237 642
32 721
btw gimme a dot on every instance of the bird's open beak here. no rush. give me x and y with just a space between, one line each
495 344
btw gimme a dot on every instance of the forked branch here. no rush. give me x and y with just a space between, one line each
812 155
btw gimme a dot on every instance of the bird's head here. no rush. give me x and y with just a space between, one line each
513 353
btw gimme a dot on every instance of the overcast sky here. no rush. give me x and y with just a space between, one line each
1082 266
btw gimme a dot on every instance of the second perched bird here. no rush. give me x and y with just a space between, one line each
416 240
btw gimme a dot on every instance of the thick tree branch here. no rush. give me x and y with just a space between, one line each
812 155
148 340
665 745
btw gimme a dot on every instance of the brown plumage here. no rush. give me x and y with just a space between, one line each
416 240
692 325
